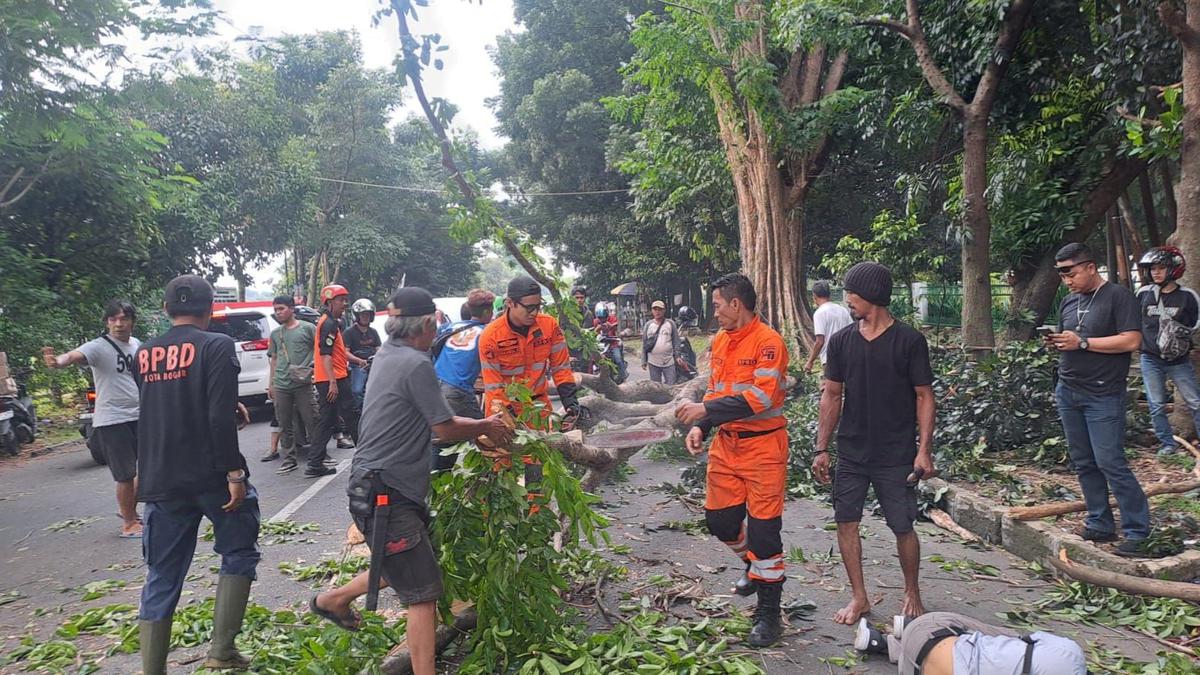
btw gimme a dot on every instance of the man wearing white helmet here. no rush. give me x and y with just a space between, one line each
362 341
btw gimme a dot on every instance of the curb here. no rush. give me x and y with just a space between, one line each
52 448
1037 540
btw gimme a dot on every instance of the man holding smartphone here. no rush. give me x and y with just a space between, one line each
1099 326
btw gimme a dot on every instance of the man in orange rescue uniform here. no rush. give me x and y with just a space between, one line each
526 346
747 463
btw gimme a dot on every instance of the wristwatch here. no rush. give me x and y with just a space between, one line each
1083 344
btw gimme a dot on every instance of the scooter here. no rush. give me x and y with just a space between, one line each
85 426
612 349
18 421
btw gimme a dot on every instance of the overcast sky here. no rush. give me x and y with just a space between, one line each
468 28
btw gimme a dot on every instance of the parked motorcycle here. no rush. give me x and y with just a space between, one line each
18 421
85 426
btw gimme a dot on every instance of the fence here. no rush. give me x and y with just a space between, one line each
940 305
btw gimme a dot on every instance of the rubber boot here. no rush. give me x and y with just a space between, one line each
768 621
745 586
232 594
155 644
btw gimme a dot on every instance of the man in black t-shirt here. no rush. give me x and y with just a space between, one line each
189 467
362 341
1098 328
1168 310
879 382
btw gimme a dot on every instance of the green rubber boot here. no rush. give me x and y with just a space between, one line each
156 643
232 594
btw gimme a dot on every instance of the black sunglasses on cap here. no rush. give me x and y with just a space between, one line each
1065 270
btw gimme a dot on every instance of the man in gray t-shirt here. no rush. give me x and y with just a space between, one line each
114 423
404 410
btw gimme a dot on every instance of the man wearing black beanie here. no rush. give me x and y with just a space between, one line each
877 372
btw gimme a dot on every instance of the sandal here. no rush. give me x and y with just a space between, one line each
348 622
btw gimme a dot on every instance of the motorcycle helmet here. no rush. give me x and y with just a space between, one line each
332 291
1167 256
601 311
686 314
362 305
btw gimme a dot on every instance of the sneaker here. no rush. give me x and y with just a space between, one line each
345 444
898 623
288 466
1088 534
1134 548
1167 450
269 458
329 461
310 472
867 639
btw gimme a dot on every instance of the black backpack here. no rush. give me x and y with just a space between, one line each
439 343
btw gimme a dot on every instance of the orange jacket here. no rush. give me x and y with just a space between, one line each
750 363
507 356
328 342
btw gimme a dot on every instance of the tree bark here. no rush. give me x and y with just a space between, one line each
1061 508
978 333
1147 192
1185 26
1133 233
1127 583
1164 172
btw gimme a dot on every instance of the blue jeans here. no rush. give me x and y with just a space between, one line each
1155 373
169 541
358 385
1095 430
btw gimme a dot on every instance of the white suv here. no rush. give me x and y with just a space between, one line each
250 328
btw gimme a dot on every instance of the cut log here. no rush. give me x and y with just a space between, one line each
631 392
1060 508
399 661
944 521
1127 583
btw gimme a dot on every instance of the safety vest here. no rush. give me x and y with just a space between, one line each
533 359
327 330
750 362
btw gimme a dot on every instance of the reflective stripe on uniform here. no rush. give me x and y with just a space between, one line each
559 369
758 394
562 346
513 371
769 570
767 414
489 366
493 387
768 372
540 365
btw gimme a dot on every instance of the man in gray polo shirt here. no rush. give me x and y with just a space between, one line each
114 424
404 410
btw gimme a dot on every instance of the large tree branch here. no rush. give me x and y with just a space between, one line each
812 74
1176 22
1006 44
4 201
890 24
929 68
447 151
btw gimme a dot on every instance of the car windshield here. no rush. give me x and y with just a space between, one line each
240 327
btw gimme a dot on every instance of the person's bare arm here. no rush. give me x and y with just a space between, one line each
458 429
830 413
71 358
814 352
1121 343
926 414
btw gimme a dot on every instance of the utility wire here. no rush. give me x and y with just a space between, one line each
405 188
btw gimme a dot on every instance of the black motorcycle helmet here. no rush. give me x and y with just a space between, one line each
1169 257
686 314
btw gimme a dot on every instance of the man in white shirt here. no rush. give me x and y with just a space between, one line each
829 318
660 345
114 424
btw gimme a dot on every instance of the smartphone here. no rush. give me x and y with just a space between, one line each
1043 331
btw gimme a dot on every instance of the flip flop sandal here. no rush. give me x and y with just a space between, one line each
348 622
130 535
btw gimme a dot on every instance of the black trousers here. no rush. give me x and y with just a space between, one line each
327 419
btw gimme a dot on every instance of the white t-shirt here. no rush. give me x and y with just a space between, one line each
116 390
829 319
662 353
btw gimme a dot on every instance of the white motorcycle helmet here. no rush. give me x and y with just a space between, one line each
362 305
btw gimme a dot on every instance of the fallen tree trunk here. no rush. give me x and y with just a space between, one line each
1126 582
1058 509
630 392
399 661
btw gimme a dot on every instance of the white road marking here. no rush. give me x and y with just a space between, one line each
293 506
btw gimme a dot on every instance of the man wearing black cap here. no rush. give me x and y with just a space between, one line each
881 366
189 467
394 454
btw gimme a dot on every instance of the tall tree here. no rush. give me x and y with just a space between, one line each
1185 26
977 330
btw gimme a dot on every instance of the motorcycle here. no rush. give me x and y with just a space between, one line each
18 421
85 426
613 350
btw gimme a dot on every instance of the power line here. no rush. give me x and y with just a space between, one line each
405 188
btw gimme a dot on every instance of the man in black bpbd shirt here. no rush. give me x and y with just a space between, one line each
190 467
879 382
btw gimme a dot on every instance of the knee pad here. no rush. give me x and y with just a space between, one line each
726 524
764 537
